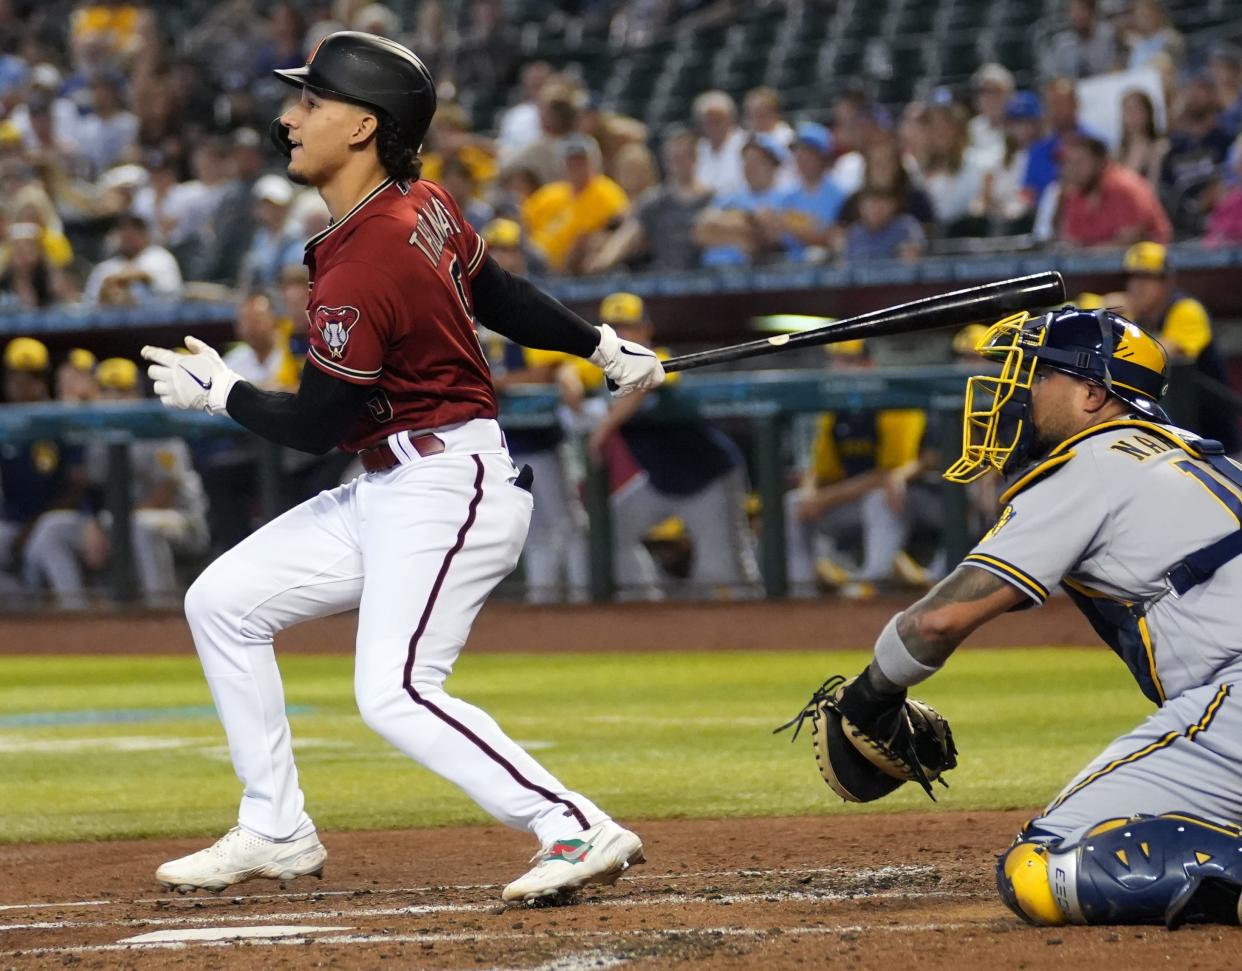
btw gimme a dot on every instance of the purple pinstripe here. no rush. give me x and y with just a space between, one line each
440 713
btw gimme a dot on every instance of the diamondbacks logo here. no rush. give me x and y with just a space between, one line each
334 324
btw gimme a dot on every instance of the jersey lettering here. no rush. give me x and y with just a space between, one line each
435 225
379 406
1141 447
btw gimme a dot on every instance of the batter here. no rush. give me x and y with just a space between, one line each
395 374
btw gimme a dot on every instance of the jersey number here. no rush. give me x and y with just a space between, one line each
460 283
1224 495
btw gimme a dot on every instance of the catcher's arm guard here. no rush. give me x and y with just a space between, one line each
868 744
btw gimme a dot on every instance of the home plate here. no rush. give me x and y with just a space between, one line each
187 934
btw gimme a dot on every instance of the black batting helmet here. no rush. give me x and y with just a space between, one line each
371 71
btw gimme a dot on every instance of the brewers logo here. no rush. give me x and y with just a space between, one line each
1005 516
334 324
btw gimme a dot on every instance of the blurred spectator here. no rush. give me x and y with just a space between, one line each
913 136
43 487
507 245
1061 112
488 49
1006 203
1143 145
1154 301
558 117
562 217
857 125
450 137
458 179
140 270
1197 146
883 231
683 468
1151 34
810 210
110 133
660 226
519 125
53 144
28 281
761 115
855 483
744 227
276 242
60 115
1225 223
75 378
635 170
1103 203
1087 47
953 176
31 205
614 133
718 161
993 88
174 211
885 168
262 355
1225 66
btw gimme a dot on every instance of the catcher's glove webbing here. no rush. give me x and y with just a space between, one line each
867 744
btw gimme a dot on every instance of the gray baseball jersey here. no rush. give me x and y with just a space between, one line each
1106 515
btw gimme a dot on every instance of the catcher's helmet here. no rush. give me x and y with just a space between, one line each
371 71
1095 345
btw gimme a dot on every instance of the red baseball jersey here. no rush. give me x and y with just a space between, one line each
390 307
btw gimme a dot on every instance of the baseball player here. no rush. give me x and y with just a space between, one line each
395 374
1139 522
672 465
856 480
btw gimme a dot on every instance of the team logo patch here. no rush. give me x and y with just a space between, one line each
1005 516
334 324
570 851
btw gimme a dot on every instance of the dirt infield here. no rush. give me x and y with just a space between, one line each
860 892
743 626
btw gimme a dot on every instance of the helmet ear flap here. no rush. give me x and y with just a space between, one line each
279 135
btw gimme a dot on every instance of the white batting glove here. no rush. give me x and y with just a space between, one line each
629 367
198 381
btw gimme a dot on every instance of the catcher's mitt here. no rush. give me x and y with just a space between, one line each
868 744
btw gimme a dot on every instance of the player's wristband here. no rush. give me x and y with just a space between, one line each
896 662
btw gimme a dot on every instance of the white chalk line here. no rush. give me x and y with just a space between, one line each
421 910
896 871
488 937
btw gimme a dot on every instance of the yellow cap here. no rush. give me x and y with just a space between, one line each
80 359
1150 259
621 308
1089 301
966 340
26 354
10 134
117 373
504 233
854 348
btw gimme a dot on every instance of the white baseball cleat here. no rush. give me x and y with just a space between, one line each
239 856
596 855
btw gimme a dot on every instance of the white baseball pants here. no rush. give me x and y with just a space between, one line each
417 549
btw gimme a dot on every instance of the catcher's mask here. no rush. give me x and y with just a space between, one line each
1095 345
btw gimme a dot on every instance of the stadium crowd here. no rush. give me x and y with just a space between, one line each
135 164
135 168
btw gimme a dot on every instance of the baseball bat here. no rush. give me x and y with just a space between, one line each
988 301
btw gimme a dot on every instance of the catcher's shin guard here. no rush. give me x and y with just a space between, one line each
1147 869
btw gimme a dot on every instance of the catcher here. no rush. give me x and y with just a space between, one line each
1139 522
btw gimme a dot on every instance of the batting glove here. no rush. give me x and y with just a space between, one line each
198 381
629 367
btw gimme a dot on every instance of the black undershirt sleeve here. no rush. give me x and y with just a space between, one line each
520 311
315 420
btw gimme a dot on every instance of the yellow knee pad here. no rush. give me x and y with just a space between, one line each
1023 883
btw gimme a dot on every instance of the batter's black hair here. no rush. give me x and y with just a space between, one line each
398 157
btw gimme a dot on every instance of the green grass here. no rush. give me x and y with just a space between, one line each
644 735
